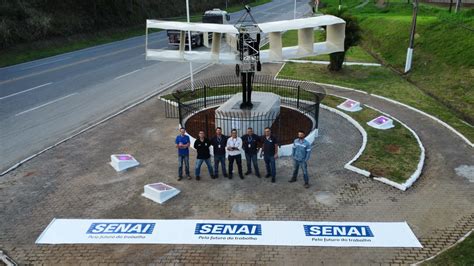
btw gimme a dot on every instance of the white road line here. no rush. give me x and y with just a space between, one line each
48 103
45 63
129 73
20 92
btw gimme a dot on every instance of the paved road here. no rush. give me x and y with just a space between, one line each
44 101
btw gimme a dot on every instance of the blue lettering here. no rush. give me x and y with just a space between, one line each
121 228
338 230
228 229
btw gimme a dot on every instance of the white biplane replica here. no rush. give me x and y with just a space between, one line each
239 44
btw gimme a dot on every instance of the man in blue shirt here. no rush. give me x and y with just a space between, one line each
301 154
269 152
182 144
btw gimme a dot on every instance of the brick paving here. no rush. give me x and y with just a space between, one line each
74 181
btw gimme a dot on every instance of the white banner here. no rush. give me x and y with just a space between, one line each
227 232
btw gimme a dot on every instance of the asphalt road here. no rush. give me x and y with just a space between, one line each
47 100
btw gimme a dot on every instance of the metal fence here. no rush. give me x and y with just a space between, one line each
195 109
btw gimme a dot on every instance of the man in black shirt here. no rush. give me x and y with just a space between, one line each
270 152
202 145
218 142
250 142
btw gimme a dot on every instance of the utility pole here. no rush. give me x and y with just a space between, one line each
458 6
412 38
190 44
294 11
450 5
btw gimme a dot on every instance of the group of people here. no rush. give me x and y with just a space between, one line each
232 145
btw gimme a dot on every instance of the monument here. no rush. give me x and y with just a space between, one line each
265 109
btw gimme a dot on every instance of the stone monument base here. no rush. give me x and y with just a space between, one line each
266 108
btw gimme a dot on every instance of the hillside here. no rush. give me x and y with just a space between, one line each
443 65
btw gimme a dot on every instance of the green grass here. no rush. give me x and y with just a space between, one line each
381 81
393 154
41 49
231 90
443 64
461 254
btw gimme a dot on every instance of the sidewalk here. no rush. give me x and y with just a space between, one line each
74 180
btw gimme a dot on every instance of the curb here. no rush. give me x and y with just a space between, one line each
414 176
146 98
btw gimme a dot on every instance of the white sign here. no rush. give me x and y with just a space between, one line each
227 232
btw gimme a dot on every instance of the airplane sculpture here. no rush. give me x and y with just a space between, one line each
243 39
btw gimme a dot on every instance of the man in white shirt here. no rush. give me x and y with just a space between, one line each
234 144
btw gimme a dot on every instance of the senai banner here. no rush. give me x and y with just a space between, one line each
226 232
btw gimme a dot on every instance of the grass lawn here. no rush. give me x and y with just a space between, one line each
393 153
443 63
41 49
381 81
461 254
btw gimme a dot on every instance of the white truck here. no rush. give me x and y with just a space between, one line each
215 15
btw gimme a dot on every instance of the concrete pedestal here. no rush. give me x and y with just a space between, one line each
121 162
159 192
381 122
266 108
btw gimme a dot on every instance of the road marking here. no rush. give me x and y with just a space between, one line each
20 92
45 63
48 103
129 73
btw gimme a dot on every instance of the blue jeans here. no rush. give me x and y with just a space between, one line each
252 159
304 166
270 164
219 159
198 166
182 158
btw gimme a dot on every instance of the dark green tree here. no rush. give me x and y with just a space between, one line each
353 36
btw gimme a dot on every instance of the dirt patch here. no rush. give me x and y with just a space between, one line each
285 126
392 148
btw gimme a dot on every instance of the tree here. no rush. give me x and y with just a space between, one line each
353 36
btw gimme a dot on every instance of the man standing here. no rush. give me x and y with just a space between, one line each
270 153
301 153
234 144
250 141
182 144
202 145
219 143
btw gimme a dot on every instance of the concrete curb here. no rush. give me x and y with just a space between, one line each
146 98
409 182
317 62
413 177
392 101
446 249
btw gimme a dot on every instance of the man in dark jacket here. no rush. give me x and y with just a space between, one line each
269 152
219 142
250 142
202 145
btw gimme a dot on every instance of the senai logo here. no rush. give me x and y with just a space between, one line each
121 228
338 230
228 229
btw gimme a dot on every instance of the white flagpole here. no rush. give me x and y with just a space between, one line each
190 44
294 11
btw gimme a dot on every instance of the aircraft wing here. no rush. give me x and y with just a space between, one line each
301 23
191 26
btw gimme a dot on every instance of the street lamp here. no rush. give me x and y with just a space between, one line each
190 44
